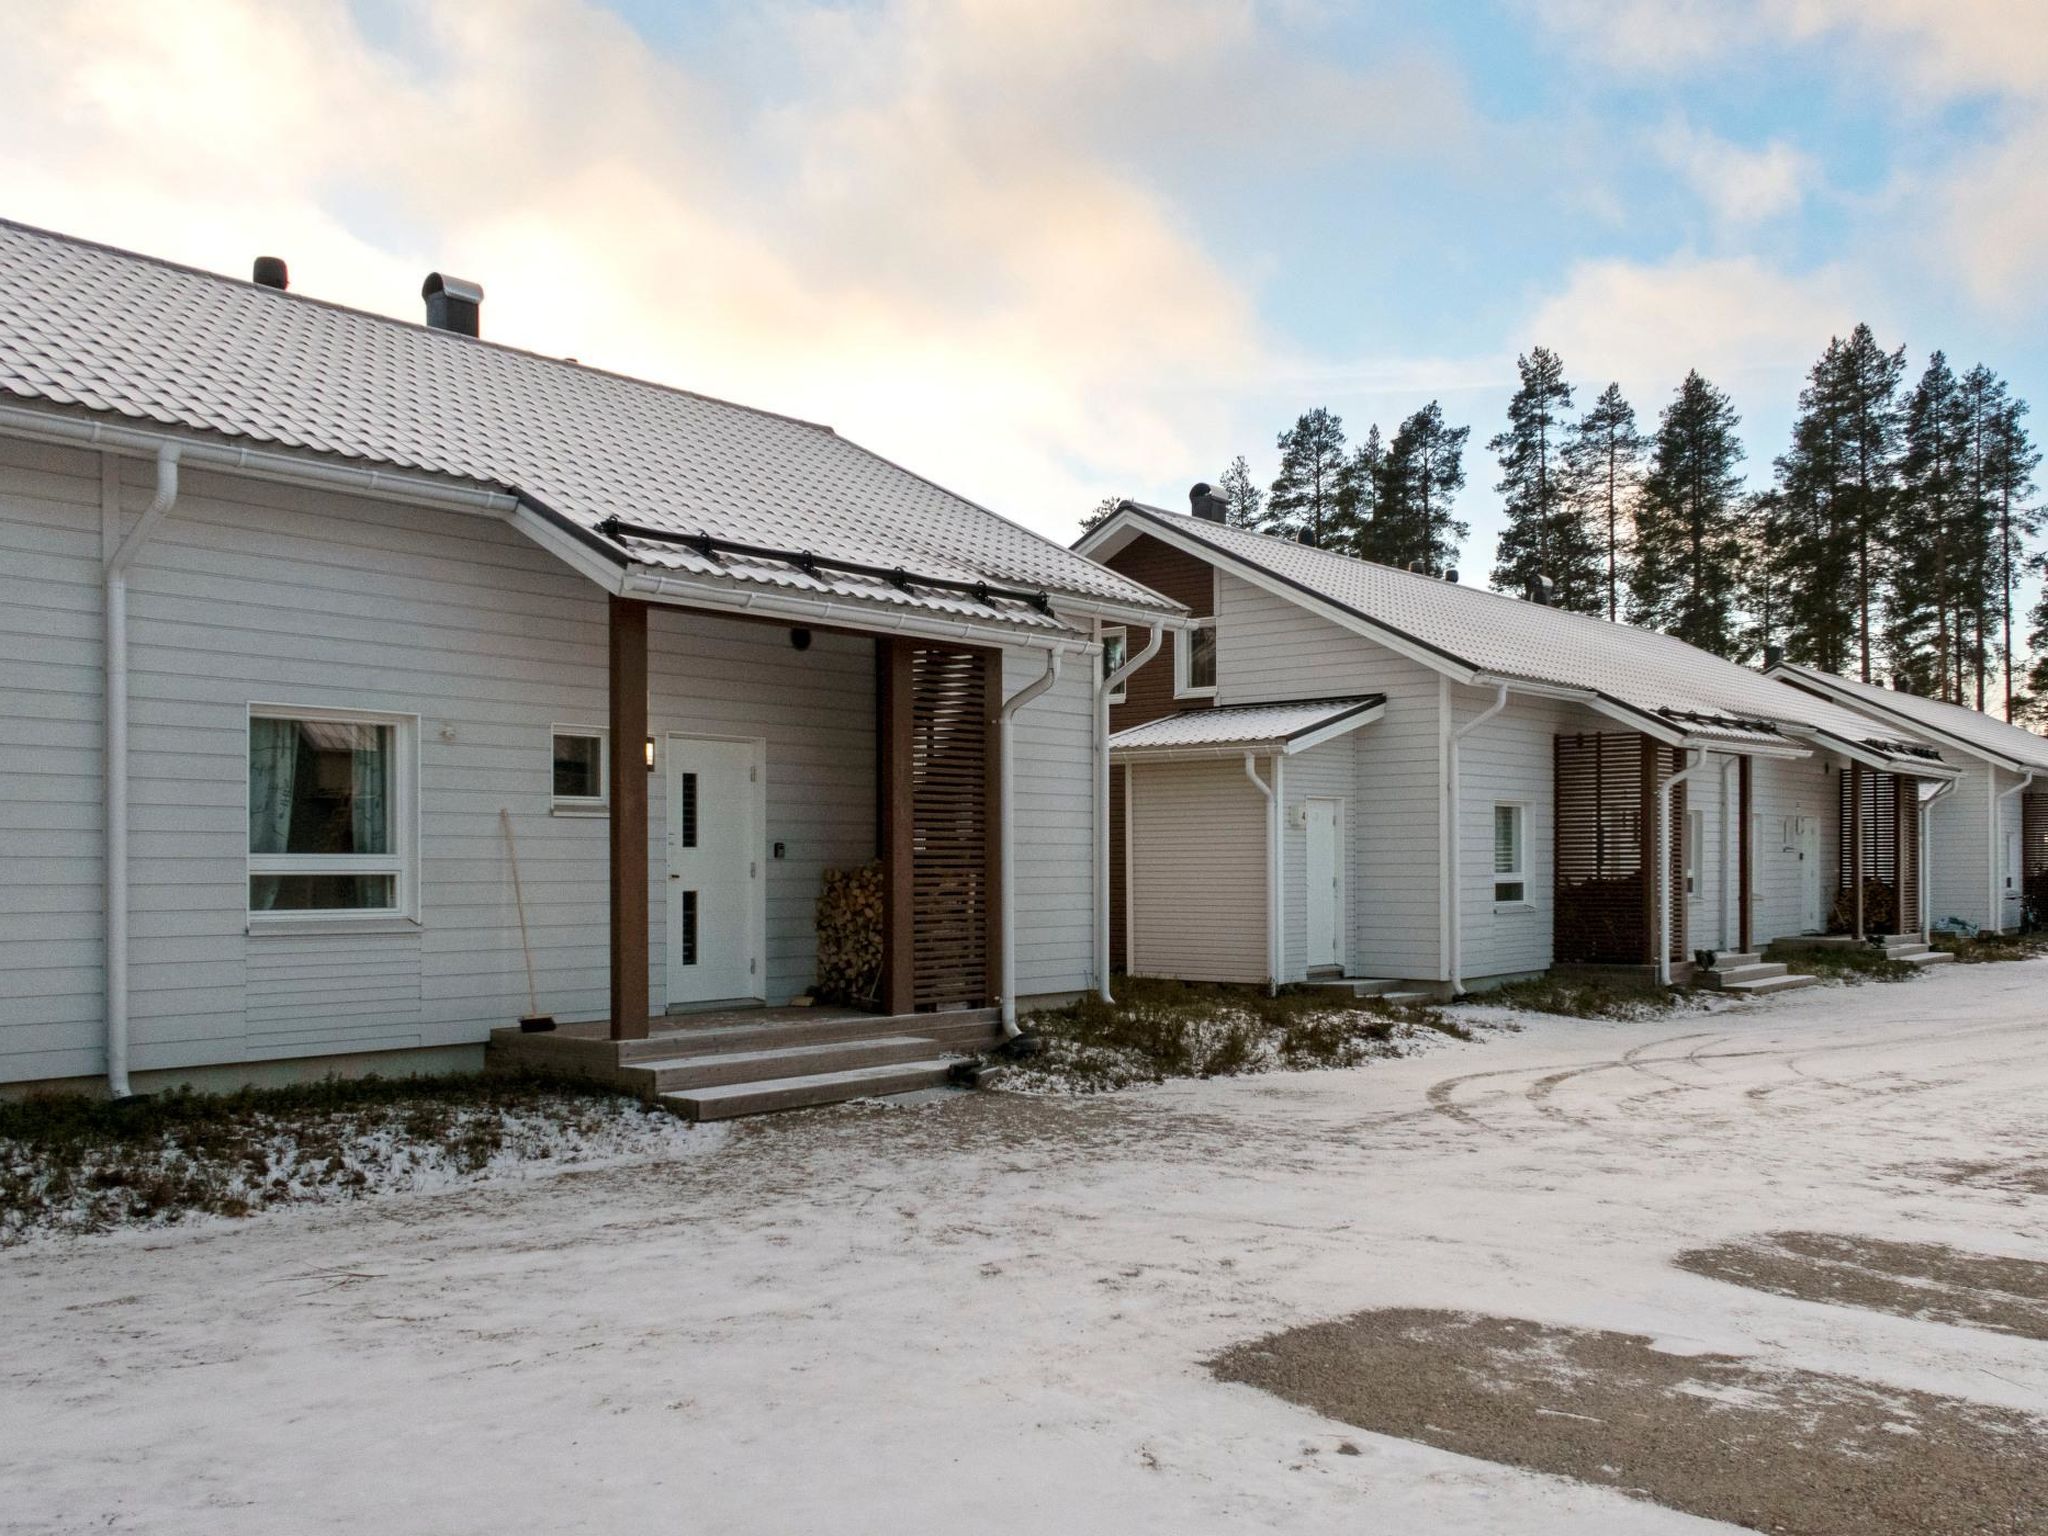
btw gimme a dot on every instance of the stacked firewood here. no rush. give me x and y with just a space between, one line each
850 934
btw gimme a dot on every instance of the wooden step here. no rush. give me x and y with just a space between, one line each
1764 985
1727 959
967 1029
731 1100
1726 976
1930 957
711 1069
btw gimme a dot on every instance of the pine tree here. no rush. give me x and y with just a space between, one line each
1837 482
1604 456
2013 460
1928 636
1304 494
1243 496
1104 510
1359 523
1688 546
1762 592
1425 470
1544 535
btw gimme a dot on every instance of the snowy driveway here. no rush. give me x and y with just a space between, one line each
991 1313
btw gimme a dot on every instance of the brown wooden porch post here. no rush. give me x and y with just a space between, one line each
896 845
627 681
1856 840
1744 838
1647 836
997 793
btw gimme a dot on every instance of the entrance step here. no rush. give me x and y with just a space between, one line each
1377 986
962 1029
731 1100
713 1069
1748 970
1727 958
1752 977
1763 985
1925 956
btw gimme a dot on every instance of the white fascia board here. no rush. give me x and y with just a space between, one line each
1651 725
1343 618
1172 614
570 550
1872 757
1227 750
844 613
1822 687
1332 730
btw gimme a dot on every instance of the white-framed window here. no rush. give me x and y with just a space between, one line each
580 762
1115 651
1695 841
333 832
1510 867
1194 661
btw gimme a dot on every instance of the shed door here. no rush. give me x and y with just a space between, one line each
1809 874
714 871
1325 876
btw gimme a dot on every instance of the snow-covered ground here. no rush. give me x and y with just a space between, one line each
992 1311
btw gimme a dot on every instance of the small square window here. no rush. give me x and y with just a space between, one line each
1510 883
579 767
1194 661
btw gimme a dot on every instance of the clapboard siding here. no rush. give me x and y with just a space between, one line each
252 592
1198 900
1269 648
1327 772
1960 847
1188 580
1055 827
1782 793
1509 760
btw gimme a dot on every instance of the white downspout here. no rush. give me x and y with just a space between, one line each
1454 945
1106 685
1728 864
1006 746
1663 872
1926 870
116 613
1271 792
1996 916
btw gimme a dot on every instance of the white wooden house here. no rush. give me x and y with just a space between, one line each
1346 770
1991 825
313 622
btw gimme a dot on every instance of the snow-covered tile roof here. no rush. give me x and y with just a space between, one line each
1506 637
84 327
1250 727
1970 729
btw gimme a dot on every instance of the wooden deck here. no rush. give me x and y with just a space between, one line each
731 1062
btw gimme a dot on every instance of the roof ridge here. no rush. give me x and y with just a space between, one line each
288 296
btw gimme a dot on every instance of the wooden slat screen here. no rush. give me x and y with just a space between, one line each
2033 859
1606 788
1889 849
952 821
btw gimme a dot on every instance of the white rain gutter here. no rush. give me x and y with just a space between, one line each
1995 914
1274 833
1451 909
1106 685
1007 755
115 608
1663 871
1925 810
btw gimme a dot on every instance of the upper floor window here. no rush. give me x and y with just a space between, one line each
1115 650
1194 661
329 824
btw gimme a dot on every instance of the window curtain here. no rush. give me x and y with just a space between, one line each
273 771
370 789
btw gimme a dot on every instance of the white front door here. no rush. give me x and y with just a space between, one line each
715 912
1809 874
1325 875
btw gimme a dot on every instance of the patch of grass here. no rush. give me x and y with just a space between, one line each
1989 947
1852 963
72 1163
1583 997
1161 1029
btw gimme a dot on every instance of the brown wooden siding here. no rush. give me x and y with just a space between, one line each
1148 692
1605 832
1879 826
1119 895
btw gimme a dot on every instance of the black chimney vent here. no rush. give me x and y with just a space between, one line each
1540 588
270 273
1306 536
1773 654
453 303
1208 503
1451 575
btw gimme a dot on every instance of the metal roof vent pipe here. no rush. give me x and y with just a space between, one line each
1773 654
1451 575
270 272
1306 536
1208 503
453 303
1540 590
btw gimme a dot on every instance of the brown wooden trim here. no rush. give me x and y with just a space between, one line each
626 682
1745 839
1646 833
897 844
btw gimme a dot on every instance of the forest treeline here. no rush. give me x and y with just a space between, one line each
1891 543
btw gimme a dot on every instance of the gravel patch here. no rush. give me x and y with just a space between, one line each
1774 1449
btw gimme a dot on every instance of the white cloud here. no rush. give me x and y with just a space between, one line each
1741 186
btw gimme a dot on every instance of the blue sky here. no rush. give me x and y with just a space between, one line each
1048 251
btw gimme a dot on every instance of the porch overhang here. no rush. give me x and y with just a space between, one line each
1263 730
1892 759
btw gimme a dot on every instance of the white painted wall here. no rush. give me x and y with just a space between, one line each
1781 793
1198 888
1269 648
256 592
1961 846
